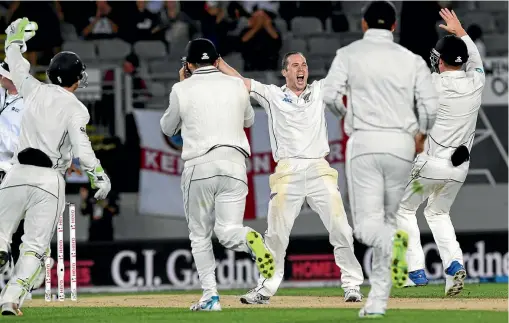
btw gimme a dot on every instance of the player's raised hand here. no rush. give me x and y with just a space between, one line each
452 23
20 31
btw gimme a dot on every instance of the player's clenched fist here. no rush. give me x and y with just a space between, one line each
19 32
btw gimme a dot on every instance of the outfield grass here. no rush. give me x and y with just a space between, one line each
140 315
430 291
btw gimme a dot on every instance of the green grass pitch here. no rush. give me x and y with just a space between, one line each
127 313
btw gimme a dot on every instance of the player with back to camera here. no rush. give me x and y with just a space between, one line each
12 108
383 82
212 110
52 132
440 171
298 138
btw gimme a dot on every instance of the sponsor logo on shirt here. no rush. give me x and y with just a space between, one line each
287 99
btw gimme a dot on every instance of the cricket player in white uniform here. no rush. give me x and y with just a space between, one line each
52 132
439 172
298 137
11 111
381 80
212 110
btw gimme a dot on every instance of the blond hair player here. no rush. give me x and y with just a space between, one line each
52 131
298 138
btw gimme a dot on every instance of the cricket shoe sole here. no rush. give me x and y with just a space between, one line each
399 266
263 258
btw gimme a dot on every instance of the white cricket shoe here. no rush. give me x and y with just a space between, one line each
454 279
253 297
353 295
211 304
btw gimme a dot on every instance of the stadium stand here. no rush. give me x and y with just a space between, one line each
312 32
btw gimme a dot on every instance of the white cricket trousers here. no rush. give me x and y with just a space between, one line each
313 180
37 195
439 182
214 200
376 182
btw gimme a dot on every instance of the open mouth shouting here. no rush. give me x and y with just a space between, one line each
300 79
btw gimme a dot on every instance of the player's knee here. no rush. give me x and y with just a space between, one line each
223 234
365 231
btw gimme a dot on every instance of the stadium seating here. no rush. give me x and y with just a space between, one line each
353 7
112 50
159 96
347 38
492 6
86 50
306 26
496 44
235 60
68 32
316 65
150 49
295 44
323 45
281 26
483 19
165 66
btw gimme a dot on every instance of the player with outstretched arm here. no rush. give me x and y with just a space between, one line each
440 171
52 131
298 138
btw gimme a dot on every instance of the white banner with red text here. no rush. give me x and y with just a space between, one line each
161 165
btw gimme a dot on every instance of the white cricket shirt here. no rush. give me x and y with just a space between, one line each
383 82
460 95
212 110
54 120
297 124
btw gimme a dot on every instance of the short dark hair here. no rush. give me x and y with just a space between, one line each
200 65
380 15
284 61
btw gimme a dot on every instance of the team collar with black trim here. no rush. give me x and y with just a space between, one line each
306 89
206 70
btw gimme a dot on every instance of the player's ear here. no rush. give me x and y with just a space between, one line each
283 72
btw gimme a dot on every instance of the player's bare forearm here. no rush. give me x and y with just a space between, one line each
228 70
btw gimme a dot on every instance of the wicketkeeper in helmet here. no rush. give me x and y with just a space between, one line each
440 171
52 132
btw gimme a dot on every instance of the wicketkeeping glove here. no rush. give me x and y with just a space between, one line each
99 180
19 32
